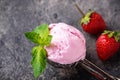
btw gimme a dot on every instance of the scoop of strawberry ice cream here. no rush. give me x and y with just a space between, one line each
67 45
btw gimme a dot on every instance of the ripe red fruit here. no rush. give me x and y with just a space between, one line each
107 44
93 23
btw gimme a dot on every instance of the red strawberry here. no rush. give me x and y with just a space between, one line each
92 22
107 44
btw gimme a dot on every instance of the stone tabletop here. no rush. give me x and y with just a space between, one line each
20 16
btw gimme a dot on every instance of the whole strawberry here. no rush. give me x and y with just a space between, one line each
93 23
107 44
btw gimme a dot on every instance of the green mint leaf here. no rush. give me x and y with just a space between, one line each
48 40
42 30
34 37
40 35
38 60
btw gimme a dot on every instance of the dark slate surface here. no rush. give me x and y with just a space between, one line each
19 16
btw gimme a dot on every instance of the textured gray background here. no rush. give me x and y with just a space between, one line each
20 16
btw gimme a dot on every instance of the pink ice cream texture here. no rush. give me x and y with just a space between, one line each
67 45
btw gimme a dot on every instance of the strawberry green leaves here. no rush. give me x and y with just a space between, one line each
40 36
86 18
114 34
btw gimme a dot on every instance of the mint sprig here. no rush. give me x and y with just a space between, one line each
40 36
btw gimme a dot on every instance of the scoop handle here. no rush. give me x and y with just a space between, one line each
96 71
93 72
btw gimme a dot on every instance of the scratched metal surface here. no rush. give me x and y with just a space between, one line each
19 16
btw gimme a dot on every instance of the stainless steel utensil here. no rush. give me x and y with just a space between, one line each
96 71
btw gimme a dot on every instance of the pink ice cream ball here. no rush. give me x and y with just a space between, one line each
68 44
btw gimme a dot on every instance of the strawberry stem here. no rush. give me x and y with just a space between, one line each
80 11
